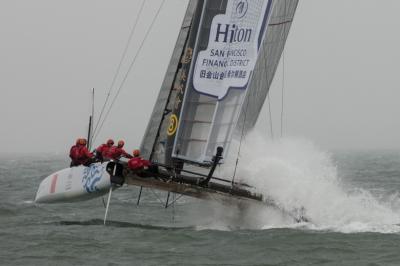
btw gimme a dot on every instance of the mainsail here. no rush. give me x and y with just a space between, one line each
219 75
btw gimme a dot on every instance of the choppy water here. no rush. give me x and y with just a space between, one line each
352 199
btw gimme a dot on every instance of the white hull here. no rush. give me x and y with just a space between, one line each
74 184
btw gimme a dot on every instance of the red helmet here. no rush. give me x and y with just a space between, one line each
136 153
121 144
110 142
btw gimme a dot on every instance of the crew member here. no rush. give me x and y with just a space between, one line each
85 157
103 149
116 152
137 163
79 154
74 154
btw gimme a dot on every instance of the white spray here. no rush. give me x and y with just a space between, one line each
299 176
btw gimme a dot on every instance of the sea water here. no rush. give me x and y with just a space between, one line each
350 198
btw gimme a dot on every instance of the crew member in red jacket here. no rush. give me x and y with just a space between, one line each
116 152
103 149
137 163
85 157
74 154
80 154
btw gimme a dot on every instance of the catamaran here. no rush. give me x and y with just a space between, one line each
216 83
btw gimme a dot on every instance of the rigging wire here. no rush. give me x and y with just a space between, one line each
283 71
131 66
241 139
157 197
270 117
269 102
283 90
123 56
268 85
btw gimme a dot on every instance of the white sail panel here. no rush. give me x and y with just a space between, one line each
226 51
270 54
232 49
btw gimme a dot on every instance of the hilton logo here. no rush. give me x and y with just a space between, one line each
231 33
241 8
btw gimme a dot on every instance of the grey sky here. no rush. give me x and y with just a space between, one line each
341 71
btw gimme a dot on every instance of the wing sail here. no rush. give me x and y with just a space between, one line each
229 40
218 78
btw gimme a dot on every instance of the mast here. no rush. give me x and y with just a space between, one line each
153 143
88 144
90 127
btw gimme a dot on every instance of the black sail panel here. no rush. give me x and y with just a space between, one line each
153 142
